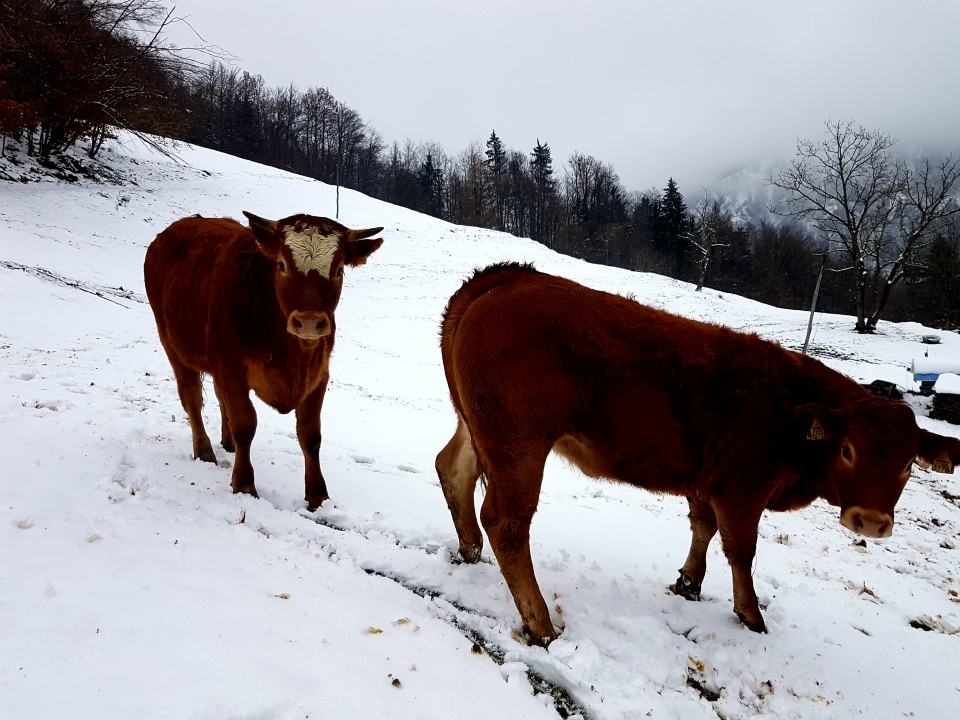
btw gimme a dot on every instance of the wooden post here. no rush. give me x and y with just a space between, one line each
813 306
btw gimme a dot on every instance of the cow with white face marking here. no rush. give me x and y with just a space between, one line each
254 309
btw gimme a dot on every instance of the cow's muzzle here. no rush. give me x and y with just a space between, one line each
872 523
309 325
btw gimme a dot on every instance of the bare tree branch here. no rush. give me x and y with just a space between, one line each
852 192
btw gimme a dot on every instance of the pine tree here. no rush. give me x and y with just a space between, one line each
431 185
496 162
541 167
672 236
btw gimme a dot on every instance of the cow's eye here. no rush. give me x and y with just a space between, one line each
846 452
283 266
340 272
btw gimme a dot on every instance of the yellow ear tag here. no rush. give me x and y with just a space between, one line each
816 431
942 465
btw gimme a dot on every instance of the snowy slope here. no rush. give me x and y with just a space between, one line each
133 584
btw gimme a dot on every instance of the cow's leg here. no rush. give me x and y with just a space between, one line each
738 531
308 433
190 388
458 471
242 418
703 526
226 434
513 491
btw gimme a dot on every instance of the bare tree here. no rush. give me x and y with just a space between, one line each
77 69
711 217
596 202
856 195
925 204
472 189
348 139
370 168
320 108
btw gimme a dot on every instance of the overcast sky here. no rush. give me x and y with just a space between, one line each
691 89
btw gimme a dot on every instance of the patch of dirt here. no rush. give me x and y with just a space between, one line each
17 166
695 681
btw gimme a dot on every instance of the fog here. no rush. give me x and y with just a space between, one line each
692 90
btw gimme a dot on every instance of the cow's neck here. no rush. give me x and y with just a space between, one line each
816 383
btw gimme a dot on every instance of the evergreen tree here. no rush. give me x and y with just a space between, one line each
496 162
672 226
496 155
541 168
431 186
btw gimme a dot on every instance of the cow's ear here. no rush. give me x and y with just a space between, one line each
356 252
937 452
818 422
265 231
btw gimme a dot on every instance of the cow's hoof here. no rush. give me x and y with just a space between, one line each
315 502
228 446
539 639
758 626
470 553
206 455
246 490
686 587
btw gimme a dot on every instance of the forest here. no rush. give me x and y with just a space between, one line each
881 231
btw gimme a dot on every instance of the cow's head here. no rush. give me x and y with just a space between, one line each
872 445
309 255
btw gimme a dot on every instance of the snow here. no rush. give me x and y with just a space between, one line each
936 362
948 384
133 584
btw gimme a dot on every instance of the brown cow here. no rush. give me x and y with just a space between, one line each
537 363
253 308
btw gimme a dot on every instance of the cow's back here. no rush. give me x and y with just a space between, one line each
185 267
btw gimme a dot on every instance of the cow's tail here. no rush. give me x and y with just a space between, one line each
481 282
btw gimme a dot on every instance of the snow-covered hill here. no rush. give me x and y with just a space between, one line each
133 584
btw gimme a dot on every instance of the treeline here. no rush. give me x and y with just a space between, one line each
71 70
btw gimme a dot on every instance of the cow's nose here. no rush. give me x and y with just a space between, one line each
309 325
872 523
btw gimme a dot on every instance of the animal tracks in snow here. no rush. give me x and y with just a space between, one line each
371 462
486 630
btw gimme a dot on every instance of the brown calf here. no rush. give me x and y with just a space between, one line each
253 308
737 424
